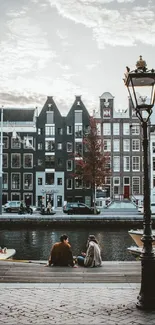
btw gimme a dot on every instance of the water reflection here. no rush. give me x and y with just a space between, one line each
36 244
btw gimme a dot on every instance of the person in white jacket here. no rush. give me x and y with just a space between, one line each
92 257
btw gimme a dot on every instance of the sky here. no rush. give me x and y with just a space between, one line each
64 48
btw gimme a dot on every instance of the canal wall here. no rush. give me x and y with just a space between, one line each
11 221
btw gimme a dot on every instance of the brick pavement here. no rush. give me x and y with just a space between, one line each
85 304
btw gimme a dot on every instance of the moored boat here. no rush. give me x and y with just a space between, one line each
136 235
6 253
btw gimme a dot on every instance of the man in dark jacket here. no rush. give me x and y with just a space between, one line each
61 254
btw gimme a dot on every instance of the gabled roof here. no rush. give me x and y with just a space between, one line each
18 114
106 95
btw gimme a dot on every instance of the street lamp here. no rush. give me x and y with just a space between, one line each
141 86
1 161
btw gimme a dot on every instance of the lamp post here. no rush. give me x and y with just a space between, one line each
141 86
1 161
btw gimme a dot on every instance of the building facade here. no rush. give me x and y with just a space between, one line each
40 152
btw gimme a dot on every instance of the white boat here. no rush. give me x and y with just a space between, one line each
7 253
136 235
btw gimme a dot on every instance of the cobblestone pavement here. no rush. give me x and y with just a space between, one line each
71 304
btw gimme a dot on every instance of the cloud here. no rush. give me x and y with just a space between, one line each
124 26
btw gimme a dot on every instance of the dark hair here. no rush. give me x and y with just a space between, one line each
92 238
63 237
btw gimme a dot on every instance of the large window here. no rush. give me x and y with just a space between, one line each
50 161
15 181
69 146
78 183
78 148
116 163
28 181
69 129
50 145
5 160
78 131
49 117
107 145
116 145
78 116
126 129
107 129
135 129
135 145
116 127
50 130
126 164
135 185
5 142
49 178
15 143
15 160
69 165
126 145
136 164
69 184
5 181
28 160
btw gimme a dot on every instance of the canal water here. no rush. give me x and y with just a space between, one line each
35 244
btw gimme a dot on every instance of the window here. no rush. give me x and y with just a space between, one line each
78 148
40 162
40 146
106 129
116 128
69 129
116 164
69 165
69 184
126 129
5 142
126 145
78 183
78 116
78 131
126 180
59 146
60 131
49 117
15 197
5 181
116 180
50 130
116 145
40 131
15 143
15 181
28 142
15 160
107 145
135 145
49 179
154 163
50 161
98 126
28 160
59 181
135 129
126 164
5 160
69 146
136 163
135 185
60 162
40 181
28 181
153 147
50 145
59 201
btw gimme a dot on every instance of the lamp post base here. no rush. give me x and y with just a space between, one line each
146 297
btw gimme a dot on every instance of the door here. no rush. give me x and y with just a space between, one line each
126 191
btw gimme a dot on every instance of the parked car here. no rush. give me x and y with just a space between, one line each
78 208
14 206
141 208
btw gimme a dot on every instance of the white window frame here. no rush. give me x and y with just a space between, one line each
116 145
126 163
116 163
30 188
12 188
6 184
116 128
26 154
69 169
69 188
135 145
138 184
106 128
106 145
71 144
116 181
136 165
126 129
135 129
126 144
18 155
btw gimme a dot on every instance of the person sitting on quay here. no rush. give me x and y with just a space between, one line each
92 257
61 253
